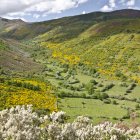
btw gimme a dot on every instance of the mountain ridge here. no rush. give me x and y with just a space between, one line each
127 11
31 30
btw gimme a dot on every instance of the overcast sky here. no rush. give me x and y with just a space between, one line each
39 10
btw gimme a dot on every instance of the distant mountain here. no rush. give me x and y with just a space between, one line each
76 24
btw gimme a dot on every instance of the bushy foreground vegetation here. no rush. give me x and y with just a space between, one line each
18 91
21 123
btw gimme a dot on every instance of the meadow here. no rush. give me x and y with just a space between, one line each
84 91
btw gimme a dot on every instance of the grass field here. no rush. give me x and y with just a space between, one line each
94 108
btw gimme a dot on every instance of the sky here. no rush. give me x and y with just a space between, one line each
42 10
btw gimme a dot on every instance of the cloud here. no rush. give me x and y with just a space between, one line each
84 12
16 17
128 2
131 3
36 16
122 1
109 7
112 4
54 6
106 8
18 14
27 7
11 6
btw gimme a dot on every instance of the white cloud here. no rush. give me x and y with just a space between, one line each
22 8
112 3
12 6
84 12
106 8
19 14
122 1
110 6
16 17
130 3
82 1
54 6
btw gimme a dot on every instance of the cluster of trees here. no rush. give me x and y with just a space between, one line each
107 87
125 98
24 85
130 88
63 94
88 71
120 75
89 91
100 96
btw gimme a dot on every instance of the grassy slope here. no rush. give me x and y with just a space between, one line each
14 58
17 66
108 42
18 94
108 46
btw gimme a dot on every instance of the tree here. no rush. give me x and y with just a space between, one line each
93 82
83 103
114 102
90 88
104 96
137 106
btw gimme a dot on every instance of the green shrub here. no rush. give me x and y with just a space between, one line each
137 106
114 102
93 82
107 87
106 101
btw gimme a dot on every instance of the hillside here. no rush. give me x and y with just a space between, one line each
112 45
85 38
108 42
14 58
65 26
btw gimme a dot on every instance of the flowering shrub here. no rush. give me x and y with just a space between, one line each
57 117
21 123
22 91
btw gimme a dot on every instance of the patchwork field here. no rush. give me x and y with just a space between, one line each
81 91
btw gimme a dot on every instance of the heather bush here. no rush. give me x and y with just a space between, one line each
21 123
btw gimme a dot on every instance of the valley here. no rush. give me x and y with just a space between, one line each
81 90
84 65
